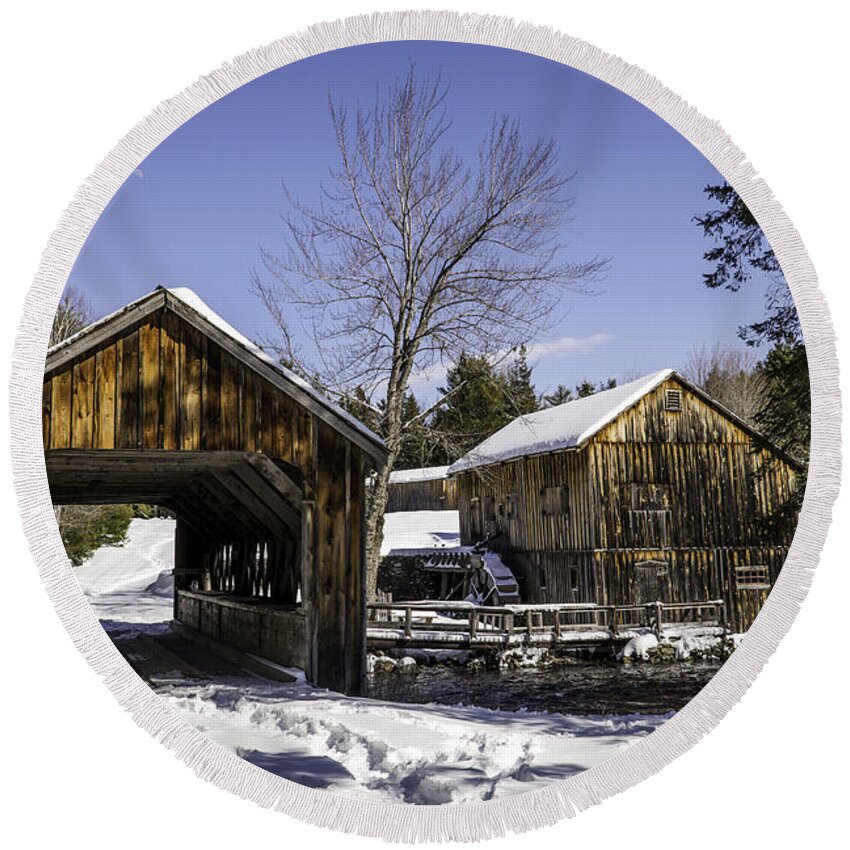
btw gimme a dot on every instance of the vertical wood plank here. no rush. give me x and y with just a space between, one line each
190 389
82 419
229 403
149 345
46 400
105 398
170 381
129 435
211 398
251 410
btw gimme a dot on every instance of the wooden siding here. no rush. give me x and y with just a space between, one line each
438 494
164 385
505 502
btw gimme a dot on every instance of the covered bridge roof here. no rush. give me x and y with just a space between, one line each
192 309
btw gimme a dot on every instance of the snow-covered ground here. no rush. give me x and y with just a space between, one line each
132 583
400 753
415 530
369 749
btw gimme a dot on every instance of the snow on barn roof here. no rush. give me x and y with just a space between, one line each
425 473
188 298
562 427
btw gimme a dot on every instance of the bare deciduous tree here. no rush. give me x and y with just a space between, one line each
411 256
72 315
731 376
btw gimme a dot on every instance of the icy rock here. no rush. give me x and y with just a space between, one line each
663 653
383 664
406 665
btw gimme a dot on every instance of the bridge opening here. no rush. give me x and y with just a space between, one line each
237 541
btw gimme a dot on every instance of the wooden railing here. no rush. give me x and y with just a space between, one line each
492 624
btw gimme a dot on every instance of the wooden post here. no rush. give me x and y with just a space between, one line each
721 617
659 608
189 552
408 622
473 624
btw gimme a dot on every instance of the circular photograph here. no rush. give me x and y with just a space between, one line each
426 422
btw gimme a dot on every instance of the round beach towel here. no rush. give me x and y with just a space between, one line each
430 411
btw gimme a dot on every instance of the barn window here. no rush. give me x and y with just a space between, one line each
574 577
501 509
541 578
555 501
490 508
673 401
513 505
752 577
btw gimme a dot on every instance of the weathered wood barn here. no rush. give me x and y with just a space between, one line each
649 491
164 403
426 489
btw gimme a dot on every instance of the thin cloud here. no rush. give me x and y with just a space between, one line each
536 351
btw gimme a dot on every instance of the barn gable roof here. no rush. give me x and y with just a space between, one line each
190 307
572 424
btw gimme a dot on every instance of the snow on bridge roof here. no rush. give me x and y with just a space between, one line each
561 427
425 473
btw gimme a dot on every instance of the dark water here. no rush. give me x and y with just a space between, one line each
580 688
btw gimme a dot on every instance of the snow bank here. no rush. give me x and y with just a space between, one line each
418 530
638 647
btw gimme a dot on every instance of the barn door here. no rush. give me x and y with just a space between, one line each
475 519
650 582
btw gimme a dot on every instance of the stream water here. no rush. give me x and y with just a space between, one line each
584 688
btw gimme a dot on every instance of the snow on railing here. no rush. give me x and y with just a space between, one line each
429 621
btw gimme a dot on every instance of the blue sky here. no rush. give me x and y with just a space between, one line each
198 209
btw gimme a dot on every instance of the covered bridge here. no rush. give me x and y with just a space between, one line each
651 491
163 402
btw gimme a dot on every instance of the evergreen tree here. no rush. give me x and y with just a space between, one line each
417 445
741 248
560 395
585 388
522 398
477 406
357 403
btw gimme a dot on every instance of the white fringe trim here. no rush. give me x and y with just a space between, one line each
467 821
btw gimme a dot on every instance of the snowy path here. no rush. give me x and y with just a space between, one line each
368 749
132 583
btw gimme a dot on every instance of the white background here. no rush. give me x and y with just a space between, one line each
77 76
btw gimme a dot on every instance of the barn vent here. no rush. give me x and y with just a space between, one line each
673 400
